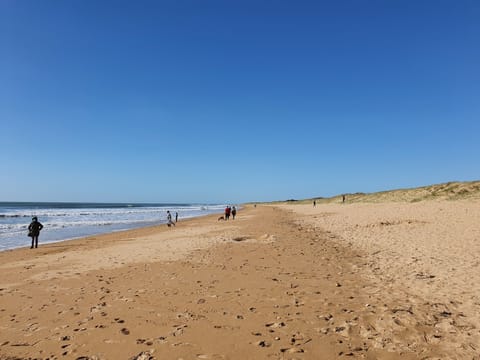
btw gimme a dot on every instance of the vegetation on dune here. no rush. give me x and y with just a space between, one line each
447 191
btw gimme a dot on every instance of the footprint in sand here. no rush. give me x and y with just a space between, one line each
144 355
240 238
292 350
275 324
213 356
145 341
263 343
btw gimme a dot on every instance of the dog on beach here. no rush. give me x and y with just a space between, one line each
221 218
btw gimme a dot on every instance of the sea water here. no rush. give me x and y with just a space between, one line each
64 221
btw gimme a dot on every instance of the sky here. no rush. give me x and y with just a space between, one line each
235 101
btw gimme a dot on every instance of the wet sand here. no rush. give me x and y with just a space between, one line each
276 283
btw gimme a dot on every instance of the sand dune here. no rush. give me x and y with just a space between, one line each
454 190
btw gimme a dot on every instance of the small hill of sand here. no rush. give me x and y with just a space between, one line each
446 191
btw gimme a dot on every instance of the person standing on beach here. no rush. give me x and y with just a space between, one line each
34 231
234 212
176 216
343 199
314 203
227 212
169 219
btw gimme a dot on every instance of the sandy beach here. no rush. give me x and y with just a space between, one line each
373 281
422 262
345 133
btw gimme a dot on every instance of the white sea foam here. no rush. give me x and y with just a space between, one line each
67 221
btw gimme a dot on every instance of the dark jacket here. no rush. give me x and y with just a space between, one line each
34 228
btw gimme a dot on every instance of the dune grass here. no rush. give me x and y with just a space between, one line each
446 191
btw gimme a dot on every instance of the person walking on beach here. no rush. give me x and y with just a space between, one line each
176 216
169 219
227 212
34 231
343 199
234 212
314 203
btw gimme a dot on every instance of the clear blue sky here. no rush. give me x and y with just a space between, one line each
235 101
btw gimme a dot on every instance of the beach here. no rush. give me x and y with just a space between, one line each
63 220
283 281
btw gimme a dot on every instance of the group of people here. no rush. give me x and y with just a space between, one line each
230 211
35 226
169 218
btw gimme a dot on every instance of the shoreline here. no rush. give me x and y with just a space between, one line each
274 283
106 239
101 233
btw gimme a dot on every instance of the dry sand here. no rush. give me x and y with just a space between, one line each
383 281
422 258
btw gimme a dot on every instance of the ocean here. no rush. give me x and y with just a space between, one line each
63 221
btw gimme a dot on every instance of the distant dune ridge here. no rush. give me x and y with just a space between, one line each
454 190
